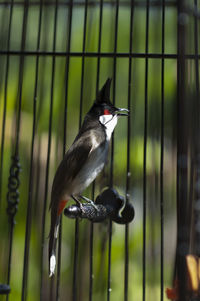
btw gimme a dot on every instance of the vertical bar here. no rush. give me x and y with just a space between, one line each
5 99
182 155
112 151
114 84
49 140
83 62
196 43
93 186
145 150
30 191
68 46
162 158
91 254
75 268
128 171
15 166
99 44
196 136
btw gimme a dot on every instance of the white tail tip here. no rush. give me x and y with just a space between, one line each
52 265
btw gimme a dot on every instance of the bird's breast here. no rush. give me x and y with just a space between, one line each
91 168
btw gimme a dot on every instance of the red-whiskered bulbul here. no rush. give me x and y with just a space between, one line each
83 161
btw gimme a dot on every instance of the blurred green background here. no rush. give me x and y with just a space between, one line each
45 82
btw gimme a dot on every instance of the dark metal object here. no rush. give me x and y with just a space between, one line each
4 289
145 154
97 54
182 157
109 204
162 159
13 193
13 200
154 3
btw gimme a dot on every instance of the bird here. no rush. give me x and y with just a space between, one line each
83 161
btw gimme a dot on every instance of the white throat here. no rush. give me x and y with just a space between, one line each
110 122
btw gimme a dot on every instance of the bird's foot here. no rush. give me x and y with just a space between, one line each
79 204
89 201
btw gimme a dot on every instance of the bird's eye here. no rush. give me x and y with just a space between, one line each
106 112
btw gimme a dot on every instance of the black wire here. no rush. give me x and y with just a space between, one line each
99 44
19 98
196 42
49 138
28 227
196 135
21 72
75 267
64 134
182 155
162 159
112 150
99 54
140 3
128 171
91 275
145 153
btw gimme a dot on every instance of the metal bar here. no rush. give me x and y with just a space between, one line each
68 46
30 192
128 170
83 61
145 153
182 155
93 186
112 151
99 43
196 41
25 267
76 241
49 137
75 268
153 3
162 159
196 137
91 254
96 54
29 207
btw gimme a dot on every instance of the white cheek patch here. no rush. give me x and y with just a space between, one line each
110 123
105 118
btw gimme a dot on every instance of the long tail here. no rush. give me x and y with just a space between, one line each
53 236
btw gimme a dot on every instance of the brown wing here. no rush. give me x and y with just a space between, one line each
70 166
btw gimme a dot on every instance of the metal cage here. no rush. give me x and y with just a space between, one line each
54 56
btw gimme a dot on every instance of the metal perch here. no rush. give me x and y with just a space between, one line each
109 204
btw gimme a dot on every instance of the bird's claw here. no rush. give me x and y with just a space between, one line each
89 201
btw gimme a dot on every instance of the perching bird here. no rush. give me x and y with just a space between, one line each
83 161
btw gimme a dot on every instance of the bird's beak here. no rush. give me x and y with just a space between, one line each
122 112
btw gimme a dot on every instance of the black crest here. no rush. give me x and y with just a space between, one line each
103 96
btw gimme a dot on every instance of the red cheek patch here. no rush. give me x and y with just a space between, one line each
106 112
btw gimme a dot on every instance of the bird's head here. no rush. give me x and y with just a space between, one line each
103 109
